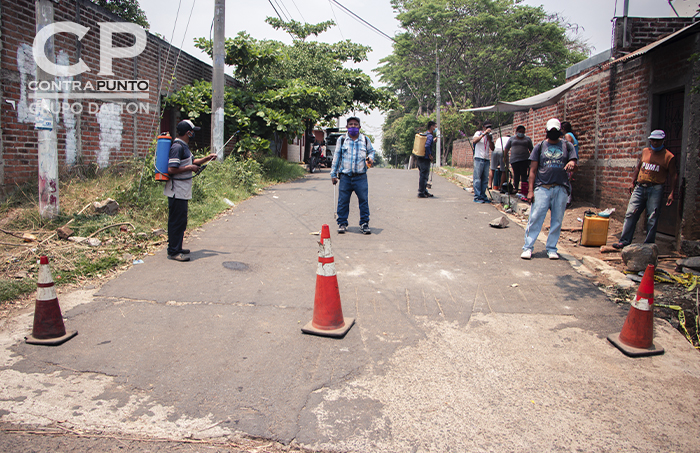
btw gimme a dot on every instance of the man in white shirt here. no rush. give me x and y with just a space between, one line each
482 142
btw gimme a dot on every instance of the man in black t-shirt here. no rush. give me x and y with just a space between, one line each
549 188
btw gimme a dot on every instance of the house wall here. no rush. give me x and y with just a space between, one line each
89 131
612 113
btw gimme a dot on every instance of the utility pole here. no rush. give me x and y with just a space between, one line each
217 84
45 124
437 102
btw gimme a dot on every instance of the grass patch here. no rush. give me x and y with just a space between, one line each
141 204
455 170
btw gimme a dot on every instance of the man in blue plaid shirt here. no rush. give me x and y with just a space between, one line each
353 154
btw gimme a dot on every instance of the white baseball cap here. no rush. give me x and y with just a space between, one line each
553 124
657 135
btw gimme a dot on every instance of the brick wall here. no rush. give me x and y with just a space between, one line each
462 154
612 115
642 31
88 132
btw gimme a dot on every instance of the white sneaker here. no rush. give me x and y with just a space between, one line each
553 255
526 255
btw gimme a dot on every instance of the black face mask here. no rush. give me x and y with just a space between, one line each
553 134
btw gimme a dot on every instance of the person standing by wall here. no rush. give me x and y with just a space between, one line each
653 169
498 163
549 187
179 188
425 161
353 153
518 149
483 144
571 138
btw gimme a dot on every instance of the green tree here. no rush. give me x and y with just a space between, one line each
486 50
126 9
286 89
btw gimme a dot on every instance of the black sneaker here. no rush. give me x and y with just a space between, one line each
365 228
618 245
342 229
422 195
428 194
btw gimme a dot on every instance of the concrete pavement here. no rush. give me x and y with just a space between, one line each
459 345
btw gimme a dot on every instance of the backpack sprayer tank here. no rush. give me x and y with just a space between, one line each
162 156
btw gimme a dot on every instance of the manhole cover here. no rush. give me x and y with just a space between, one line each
236 266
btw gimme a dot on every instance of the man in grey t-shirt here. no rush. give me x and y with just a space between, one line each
549 188
179 188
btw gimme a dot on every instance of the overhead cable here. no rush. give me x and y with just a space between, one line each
363 21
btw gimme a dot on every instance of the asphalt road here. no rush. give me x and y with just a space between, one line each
459 345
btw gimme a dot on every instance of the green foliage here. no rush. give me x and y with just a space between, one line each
126 9
279 170
285 89
142 204
299 30
13 289
487 50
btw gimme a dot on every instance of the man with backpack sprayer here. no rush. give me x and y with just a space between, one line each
353 155
179 190
424 162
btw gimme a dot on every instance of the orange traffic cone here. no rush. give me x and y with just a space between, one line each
637 336
328 320
48 323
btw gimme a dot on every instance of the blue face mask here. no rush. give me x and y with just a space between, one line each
657 148
352 131
520 134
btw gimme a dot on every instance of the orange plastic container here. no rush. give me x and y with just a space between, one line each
595 230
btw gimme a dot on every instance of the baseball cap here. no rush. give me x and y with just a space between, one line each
553 124
185 126
657 135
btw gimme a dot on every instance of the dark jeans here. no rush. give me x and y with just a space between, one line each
424 172
177 224
520 170
348 184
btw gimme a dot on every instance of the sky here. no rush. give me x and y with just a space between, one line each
194 20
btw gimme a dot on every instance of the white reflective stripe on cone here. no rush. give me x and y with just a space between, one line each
326 270
642 304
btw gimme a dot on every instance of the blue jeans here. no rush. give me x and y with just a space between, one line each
348 184
481 178
648 198
553 199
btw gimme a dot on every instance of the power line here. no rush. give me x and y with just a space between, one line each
336 19
363 21
286 19
281 4
276 12
295 5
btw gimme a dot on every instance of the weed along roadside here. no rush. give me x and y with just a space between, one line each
85 244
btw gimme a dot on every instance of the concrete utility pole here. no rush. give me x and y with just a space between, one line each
437 102
46 130
217 84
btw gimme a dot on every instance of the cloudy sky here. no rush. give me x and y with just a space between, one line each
194 19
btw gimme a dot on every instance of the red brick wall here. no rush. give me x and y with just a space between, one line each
642 31
615 104
79 135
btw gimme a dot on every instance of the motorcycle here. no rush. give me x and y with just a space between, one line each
318 159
